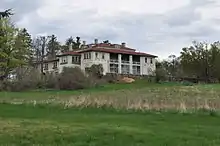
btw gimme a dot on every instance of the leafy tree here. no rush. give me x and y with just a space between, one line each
14 48
195 60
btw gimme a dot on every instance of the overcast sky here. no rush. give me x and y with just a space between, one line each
159 27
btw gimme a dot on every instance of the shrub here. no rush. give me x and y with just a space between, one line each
160 75
73 78
111 78
30 79
26 79
51 81
95 71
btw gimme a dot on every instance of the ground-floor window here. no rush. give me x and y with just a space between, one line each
125 69
136 70
45 66
113 68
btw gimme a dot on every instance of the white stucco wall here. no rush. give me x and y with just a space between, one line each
96 60
147 68
50 67
69 63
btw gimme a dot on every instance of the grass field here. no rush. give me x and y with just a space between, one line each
136 114
40 125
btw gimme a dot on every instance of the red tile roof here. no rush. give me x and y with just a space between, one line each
46 61
117 51
69 53
110 45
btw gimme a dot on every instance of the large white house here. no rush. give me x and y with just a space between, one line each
114 58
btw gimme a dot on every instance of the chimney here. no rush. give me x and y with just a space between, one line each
70 47
96 41
84 43
123 45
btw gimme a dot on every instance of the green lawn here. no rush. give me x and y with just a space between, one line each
100 116
41 125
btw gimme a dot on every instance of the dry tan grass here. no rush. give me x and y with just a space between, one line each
181 98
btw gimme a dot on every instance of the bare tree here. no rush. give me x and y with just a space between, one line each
6 13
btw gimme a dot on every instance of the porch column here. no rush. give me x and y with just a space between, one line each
142 62
119 63
130 64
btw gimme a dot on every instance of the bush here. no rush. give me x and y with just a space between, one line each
160 75
27 79
111 78
51 81
95 71
73 78
30 79
69 79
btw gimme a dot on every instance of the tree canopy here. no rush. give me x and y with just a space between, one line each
15 46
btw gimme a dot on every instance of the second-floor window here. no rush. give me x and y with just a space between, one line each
76 59
87 56
46 66
103 55
54 65
96 54
151 61
146 60
64 60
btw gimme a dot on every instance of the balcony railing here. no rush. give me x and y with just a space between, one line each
113 61
124 61
136 63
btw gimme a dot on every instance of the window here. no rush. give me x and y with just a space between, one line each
87 56
54 65
96 54
146 60
151 61
76 60
79 59
136 70
73 59
113 68
64 60
103 55
46 66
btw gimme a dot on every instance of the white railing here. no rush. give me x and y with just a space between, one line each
113 61
124 61
137 63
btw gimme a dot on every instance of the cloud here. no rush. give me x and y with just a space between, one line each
187 14
21 7
160 27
